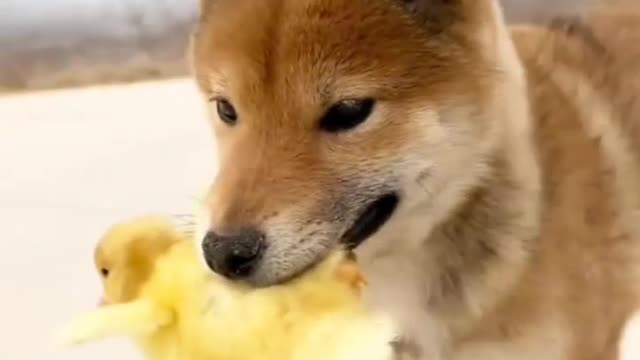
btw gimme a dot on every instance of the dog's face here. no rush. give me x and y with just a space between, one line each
335 119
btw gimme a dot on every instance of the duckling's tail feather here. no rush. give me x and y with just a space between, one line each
135 319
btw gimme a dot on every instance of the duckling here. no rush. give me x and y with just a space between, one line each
158 292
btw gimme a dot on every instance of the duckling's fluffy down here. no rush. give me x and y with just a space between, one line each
184 312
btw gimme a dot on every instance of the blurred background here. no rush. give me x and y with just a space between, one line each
99 123
56 43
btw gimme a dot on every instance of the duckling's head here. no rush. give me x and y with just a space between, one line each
126 255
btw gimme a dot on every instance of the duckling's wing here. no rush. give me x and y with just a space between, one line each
136 319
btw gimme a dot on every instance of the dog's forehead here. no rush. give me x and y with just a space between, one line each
309 46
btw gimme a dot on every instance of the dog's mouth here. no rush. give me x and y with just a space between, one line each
372 218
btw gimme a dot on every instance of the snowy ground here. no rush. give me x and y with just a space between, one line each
71 163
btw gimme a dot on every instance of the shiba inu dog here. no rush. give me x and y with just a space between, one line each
488 178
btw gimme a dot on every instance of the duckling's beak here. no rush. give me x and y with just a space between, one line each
350 272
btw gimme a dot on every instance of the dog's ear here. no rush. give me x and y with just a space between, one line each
478 23
206 7
439 15
436 14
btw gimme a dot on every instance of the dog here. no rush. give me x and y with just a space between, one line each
487 177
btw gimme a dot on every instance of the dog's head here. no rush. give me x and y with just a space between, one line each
335 119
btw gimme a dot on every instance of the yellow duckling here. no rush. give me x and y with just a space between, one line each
158 291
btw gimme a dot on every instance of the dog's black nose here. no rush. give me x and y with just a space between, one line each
234 256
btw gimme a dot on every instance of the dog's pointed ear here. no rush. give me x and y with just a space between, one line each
480 22
440 15
206 7
436 15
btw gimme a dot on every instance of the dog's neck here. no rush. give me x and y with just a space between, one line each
488 240
439 283
449 267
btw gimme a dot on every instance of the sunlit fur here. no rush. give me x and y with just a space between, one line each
159 293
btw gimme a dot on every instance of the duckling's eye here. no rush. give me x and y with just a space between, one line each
226 111
346 115
104 272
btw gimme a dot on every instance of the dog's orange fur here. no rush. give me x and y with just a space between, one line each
517 155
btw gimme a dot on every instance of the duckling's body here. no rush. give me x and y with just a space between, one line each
178 310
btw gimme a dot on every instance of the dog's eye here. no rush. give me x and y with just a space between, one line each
226 111
346 115
104 272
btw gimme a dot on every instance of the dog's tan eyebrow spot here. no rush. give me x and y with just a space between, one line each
217 82
211 83
215 85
